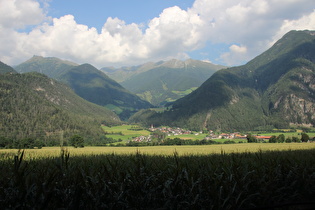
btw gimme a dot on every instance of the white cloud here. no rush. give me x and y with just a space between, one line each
175 31
250 23
305 22
248 26
236 54
20 13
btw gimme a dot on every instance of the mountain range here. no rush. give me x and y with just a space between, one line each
88 82
274 90
164 81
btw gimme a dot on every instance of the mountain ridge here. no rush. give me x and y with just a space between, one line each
253 95
98 86
4 68
170 80
118 73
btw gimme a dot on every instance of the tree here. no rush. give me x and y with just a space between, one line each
281 138
273 139
304 137
159 135
38 143
288 140
27 143
251 139
77 141
295 139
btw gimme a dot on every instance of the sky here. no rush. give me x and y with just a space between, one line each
132 32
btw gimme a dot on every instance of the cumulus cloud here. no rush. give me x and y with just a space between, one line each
236 54
251 23
18 14
305 22
248 26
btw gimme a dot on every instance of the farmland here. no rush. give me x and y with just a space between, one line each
124 132
217 176
162 150
169 177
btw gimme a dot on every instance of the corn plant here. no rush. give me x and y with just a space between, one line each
265 179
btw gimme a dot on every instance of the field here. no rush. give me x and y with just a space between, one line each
218 176
287 134
189 136
238 176
185 92
162 150
124 132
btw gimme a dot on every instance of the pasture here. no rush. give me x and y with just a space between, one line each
124 132
288 134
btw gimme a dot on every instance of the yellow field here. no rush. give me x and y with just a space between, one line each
161 150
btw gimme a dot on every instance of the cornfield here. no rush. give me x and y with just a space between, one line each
259 180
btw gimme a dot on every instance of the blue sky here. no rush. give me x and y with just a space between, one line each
95 12
132 32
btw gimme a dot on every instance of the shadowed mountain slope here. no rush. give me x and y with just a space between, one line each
35 106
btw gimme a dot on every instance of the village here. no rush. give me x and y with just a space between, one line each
169 132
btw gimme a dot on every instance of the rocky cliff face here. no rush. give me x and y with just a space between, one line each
298 106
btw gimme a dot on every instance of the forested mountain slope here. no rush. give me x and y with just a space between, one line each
50 66
275 89
96 87
170 80
88 82
4 68
35 106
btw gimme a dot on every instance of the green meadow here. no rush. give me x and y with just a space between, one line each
288 134
125 132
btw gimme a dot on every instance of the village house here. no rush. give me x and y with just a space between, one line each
170 131
263 137
142 139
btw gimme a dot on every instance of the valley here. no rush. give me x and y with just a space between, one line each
275 90
158 105
135 135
